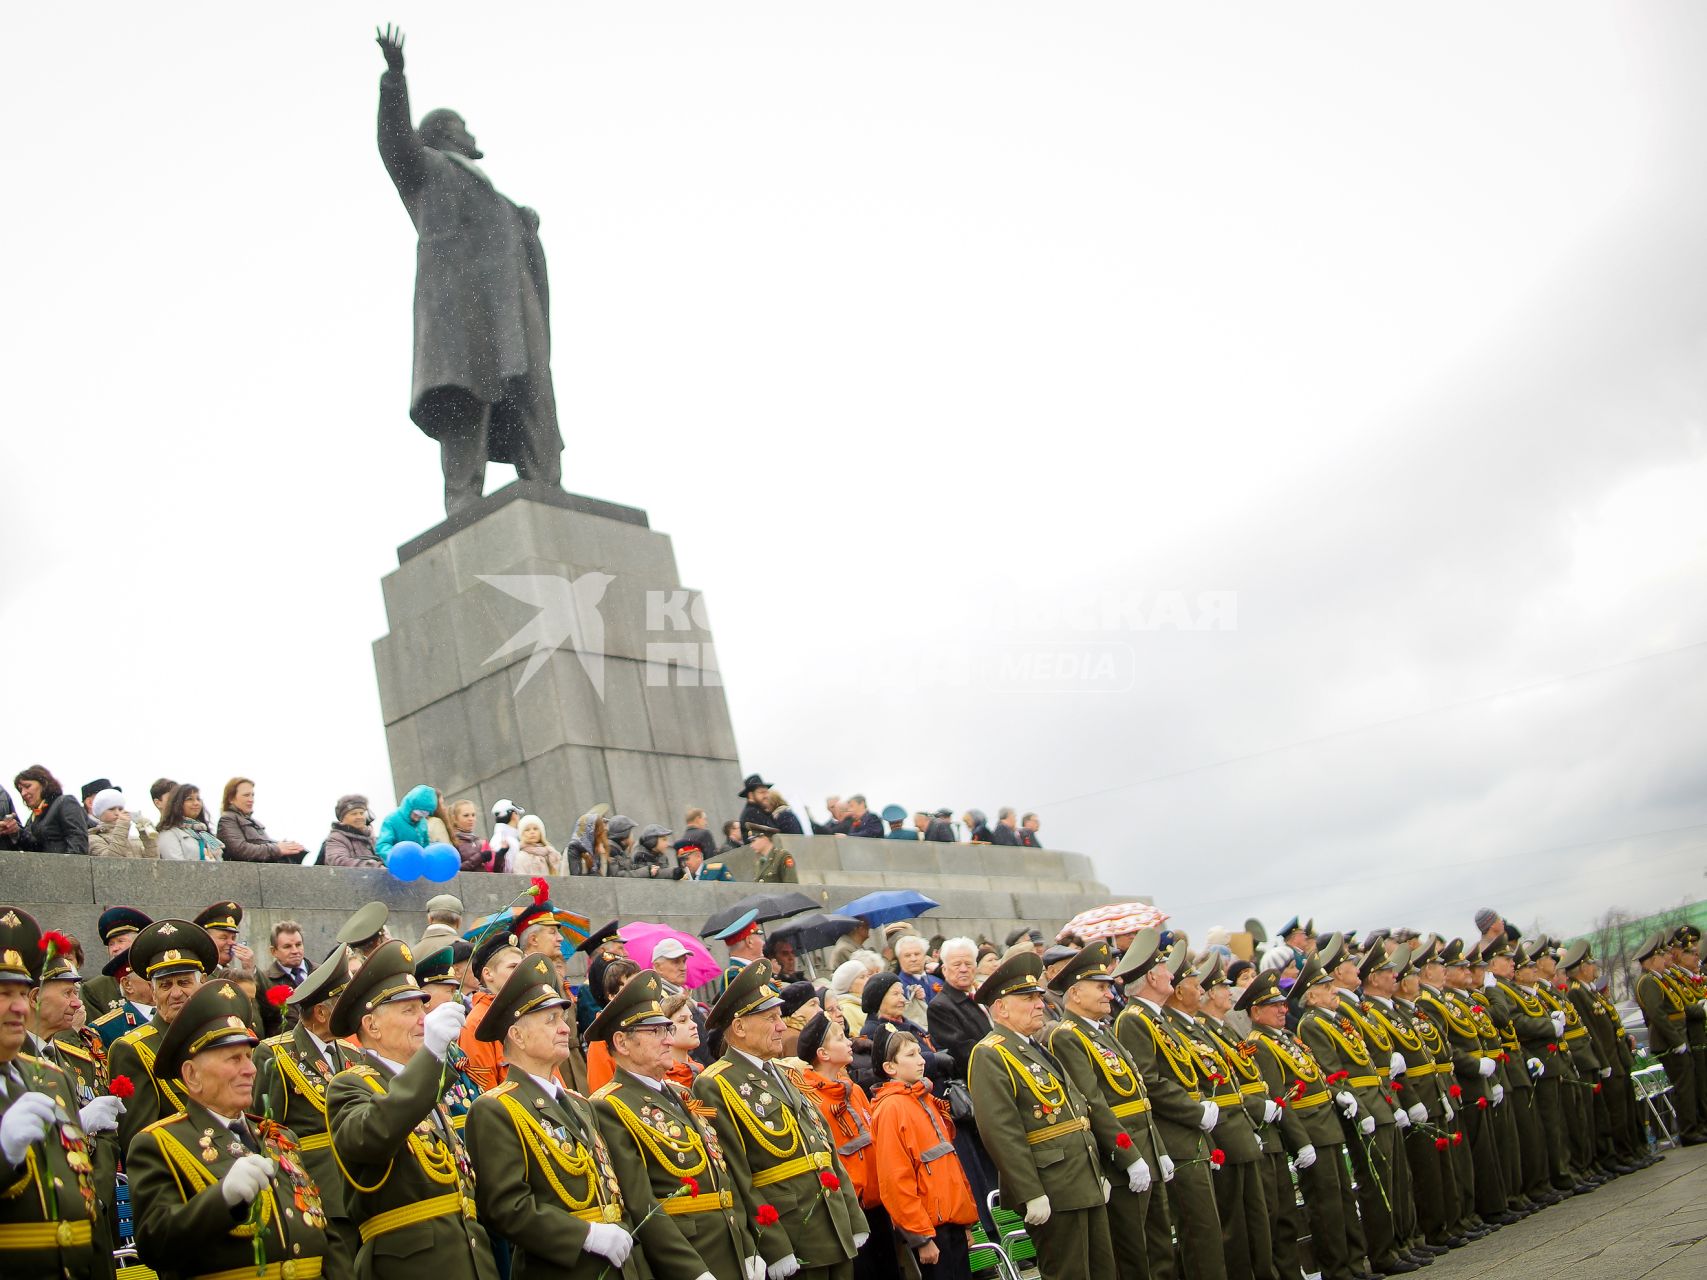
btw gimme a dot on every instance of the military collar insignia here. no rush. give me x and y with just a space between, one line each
10 919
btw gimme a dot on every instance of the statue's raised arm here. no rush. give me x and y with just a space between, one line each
399 144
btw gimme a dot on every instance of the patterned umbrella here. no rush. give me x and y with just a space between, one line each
1114 920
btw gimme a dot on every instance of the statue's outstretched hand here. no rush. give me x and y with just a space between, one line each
390 42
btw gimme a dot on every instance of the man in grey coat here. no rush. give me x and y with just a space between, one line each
482 383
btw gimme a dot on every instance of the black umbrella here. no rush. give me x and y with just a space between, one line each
817 930
764 906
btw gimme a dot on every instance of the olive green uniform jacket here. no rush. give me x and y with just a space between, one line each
132 1056
1035 1124
45 1236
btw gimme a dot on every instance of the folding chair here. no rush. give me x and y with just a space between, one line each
1010 1248
1653 1090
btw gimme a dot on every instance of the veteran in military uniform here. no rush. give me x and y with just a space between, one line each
781 1156
175 956
1684 975
775 864
1309 1130
546 1182
1525 1027
49 1208
1176 1084
221 1194
408 1184
663 1148
1140 1229
117 927
1036 1126
292 1073
135 1005
1665 1009
224 924
1614 1103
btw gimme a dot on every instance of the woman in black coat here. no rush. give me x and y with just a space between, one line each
57 823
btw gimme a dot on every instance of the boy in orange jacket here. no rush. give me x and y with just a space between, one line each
919 1175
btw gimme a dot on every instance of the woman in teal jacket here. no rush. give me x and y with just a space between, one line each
408 821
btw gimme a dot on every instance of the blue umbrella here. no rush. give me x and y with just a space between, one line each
888 905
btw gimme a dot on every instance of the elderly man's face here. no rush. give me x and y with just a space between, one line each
14 1018
287 950
958 969
57 1007
782 954
173 991
1023 1015
672 969
223 1079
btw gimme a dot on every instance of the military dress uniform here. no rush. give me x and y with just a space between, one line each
667 1157
184 1227
1613 1102
48 1198
777 866
1334 1038
1035 1124
545 1174
1174 1080
263 1014
1526 1024
1689 986
1240 1200
777 1146
1307 1121
1580 1078
409 1187
1477 1157
292 1074
101 994
1519 1161
164 948
1139 1225
1665 1010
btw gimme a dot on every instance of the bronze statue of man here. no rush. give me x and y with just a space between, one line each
482 385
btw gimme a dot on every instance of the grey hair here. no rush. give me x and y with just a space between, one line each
529 932
847 973
957 944
1004 813
911 937
870 959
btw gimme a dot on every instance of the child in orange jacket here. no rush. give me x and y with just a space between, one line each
919 1175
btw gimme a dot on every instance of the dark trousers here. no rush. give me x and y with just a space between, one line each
1680 1070
1550 1119
877 1259
1286 1220
1140 1231
1243 1210
835 1271
1376 1166
1531 1141
1074 1245
1197 1222
1487 1183
953 1264
1578 1098
1331 1208
1428 1183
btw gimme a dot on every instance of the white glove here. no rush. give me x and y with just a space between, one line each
444 1025
25 1123
1682 1048
1305 1158
1401 1118
1497 1093
783 1267
1138 1178
1347 1103
1487 1067
1211 1114
1558 1022
1396 1064
860 1239
1271 1110
245 1179
603 1238
1488 981
1167 1169
1417 1112
755 1268
1605 1072
101 1115
1107 1189
1037 1211
1536 1070
1447 1106
1367 1125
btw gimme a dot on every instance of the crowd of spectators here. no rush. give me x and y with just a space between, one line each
182 829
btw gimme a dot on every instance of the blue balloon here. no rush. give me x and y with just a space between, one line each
442 862
407 861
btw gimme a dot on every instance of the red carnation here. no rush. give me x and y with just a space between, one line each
1476 1008
120 1087
55 943
1397 1085
1482 1103
538 889
1123 1140
1440 1144
829 1181
1597 1086
1338 1076
1217 1157
691 1186
1457 1138
766 1215
1454 1091
278 994
1298 1090
1281 1103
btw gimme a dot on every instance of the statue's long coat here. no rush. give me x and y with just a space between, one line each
481 294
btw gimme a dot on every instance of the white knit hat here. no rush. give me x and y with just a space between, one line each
111 798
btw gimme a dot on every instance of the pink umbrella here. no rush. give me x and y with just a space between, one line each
642 937
1114 921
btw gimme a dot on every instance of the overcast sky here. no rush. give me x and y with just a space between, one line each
914 325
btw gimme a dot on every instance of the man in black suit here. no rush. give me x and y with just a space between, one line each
1005 832
288 968
861 821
